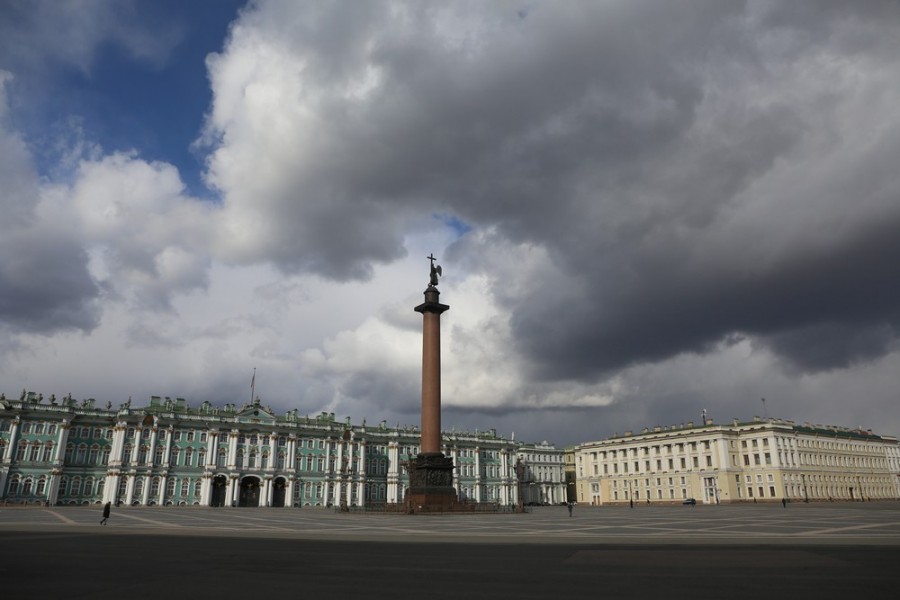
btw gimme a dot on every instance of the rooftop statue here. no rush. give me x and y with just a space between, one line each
436 270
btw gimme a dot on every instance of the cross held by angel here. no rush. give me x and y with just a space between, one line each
436 270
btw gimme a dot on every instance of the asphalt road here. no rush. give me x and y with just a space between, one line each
815 552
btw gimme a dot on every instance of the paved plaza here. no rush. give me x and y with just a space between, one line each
735 551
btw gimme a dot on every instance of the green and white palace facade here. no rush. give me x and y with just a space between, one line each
168 453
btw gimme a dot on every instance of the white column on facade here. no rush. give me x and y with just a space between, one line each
393 473
212 450
273 452
290 464
145 491
232 449
477 474
115 453
61 442
289 490
135 448
361 471
205 484
348 482
333 474
167 457
129 490
454 454
13 435
232 491
504 483
111 489
265 495
154 436
163 484
53 487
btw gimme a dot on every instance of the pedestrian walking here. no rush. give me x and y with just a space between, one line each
784 502
632 503
570 505
106 509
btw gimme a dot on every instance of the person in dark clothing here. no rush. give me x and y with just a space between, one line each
106 509
570 509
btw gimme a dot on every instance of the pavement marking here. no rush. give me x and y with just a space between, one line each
151 521
62 518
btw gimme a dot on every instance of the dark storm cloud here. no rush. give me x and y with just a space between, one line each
697 172
45 286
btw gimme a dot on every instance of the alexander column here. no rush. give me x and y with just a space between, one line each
431 473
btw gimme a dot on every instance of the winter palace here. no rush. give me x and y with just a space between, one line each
766 460
168 453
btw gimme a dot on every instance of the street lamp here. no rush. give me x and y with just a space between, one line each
805 490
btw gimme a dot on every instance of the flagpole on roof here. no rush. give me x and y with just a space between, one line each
253 385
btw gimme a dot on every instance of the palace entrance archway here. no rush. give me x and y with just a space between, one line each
218 490
249 495
278 492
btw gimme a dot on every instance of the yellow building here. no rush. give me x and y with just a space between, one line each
759 461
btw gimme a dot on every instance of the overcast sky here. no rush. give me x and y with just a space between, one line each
642 209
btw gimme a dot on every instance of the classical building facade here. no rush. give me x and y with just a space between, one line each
542 473
168 453
763 460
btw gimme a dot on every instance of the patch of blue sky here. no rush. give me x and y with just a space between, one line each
126 104
457 225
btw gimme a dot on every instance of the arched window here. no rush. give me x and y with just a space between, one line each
201 457
189 458
63 485
123 487
88 486
126 456
221 458
27 486
94 455
170 487
106 453
253 459
142 454
75 490
240 457
154 487
158 458
41 486
138 487
265 460
198 488
14 486
185 486
20 451
48 453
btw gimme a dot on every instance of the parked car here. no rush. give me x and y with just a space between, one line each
690 501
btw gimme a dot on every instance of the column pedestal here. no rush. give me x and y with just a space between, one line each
431 484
